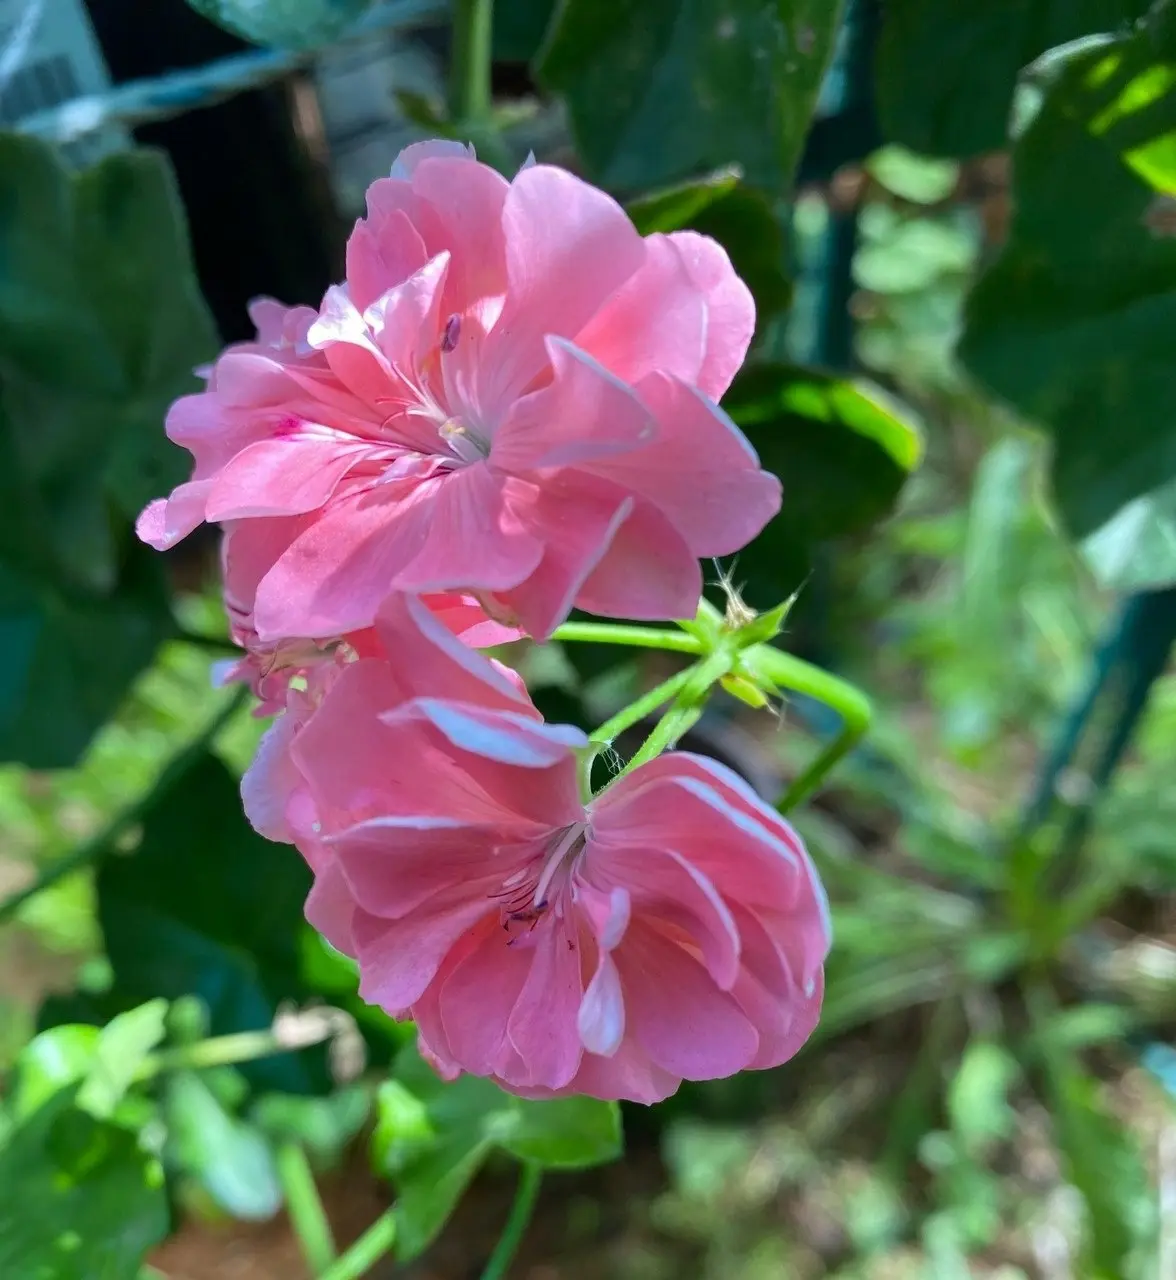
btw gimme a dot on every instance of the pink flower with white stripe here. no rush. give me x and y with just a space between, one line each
513 395
671 928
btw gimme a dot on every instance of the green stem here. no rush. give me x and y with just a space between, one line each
365 1252
305 1207
469 68
224 1051
101 843
516 1225
634 637
644 706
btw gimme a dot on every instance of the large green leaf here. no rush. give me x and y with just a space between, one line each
661 89
79 1198
69 656
432 1137
205 906
1074 322
842 451
519 28
947 68
740 218
1136 549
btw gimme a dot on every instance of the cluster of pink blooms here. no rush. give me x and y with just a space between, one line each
506 411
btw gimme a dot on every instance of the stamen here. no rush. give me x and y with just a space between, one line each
451 334
554 859
466 444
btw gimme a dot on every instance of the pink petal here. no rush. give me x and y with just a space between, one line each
331 909
342 333
657 322
569 247
648 571
542 1024
600 1021
383 250
699 470
699 1034
165 521
271 779
582 414
629 1074
416 153
282 477
399 958
730 311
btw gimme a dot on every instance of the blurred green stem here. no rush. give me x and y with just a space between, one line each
516 1225
305 1207
642 707
634 637
100 844
224 1051
365 1252
788 672
470 101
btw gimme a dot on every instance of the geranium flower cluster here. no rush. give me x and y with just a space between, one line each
508 409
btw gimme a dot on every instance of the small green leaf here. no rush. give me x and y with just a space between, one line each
662 89
231 1160
290 24
56 1058
79 1198
920 179
403 1128
566 1133
978 1097
427 1191
123 1045
322 1126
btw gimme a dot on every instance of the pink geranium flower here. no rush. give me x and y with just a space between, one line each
513 394
672 928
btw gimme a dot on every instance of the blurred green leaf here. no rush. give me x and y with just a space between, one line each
1101 1159
432 1137
842 450
920 179
907 254
49 1062
79 1198
123 1045
322 1126
519 28
1136 549
1072 322
740 218
661 89
205 906
978 1097
290 24
231 1160
69 656
947 69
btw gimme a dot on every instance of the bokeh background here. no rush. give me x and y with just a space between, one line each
957 219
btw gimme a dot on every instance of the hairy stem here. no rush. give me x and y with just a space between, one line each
527 1193
637 711
101 843
625 633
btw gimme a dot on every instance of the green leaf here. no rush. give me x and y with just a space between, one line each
206 907
1136 549
978 1097
70 656
79 1198
322 1126
842 450
1072 322
123 1045
741 219
661 89
519 28
947 69
291 24
1101 1159
49 1063
920 179
432 1136
231 1160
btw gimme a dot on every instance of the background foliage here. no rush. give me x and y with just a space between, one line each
976 469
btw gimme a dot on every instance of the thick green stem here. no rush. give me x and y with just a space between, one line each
788 672
469 68
305 1207
634 637
100 844
516 1225
644 706
365 1252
